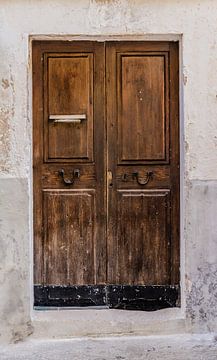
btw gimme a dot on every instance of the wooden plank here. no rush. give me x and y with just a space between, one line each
175 162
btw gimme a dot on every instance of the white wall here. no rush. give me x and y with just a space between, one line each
192 21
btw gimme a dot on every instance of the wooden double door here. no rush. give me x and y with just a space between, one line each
106 173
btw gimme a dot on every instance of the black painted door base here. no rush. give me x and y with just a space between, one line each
147 298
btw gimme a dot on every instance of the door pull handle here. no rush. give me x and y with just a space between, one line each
68 181
140 180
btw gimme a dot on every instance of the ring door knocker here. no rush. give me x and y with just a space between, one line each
140 180
68 181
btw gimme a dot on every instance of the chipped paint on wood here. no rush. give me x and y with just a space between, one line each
128 297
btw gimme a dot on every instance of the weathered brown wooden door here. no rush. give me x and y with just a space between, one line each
106 173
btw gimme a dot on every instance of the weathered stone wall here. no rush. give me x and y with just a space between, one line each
194 23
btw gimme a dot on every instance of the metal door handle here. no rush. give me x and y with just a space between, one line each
67 181
76 119
142 181
109 177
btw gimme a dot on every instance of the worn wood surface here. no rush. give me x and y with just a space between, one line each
143 139
69 219
118 223
142 115
69 89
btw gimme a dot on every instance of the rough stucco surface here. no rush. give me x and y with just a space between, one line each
194 22
14 260
119 348
202 263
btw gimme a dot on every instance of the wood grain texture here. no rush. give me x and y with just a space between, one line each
106 227
69 227
175 162
143 138
143 233
69 219
69 88
142 98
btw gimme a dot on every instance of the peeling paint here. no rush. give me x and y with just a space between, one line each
5 115
5 83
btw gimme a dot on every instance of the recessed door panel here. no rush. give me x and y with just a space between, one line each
69 226
142 107
69 117
143 238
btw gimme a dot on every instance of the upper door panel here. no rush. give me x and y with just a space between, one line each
142 107
69 108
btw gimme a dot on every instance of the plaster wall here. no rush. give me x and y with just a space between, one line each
193 22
